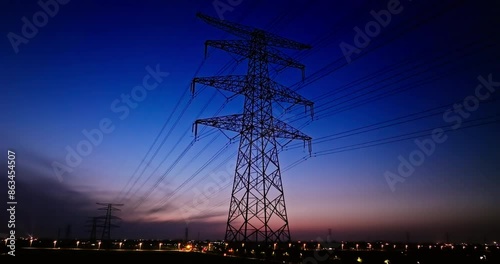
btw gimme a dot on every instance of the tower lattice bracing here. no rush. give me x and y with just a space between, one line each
257 211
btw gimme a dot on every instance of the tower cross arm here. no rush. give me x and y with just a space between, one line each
247 32
244 49
284 130
284 94
229 122
231 83
238 83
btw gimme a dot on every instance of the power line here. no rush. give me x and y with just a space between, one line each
388 93
414 84
165 124
388 123
167 197
397 138
330 68
317 75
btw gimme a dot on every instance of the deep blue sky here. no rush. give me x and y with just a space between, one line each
72 74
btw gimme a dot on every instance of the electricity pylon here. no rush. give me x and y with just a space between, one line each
93 228
257 211
107 225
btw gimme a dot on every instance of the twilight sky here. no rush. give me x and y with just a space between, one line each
405 131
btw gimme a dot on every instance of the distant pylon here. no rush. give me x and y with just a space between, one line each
257 209
93 223
107 225
68 232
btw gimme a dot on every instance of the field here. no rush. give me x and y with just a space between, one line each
308 257
170 256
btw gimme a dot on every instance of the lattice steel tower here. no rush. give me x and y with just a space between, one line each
93 228
107 225
257 211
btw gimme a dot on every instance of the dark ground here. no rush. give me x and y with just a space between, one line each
169 256
311 258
